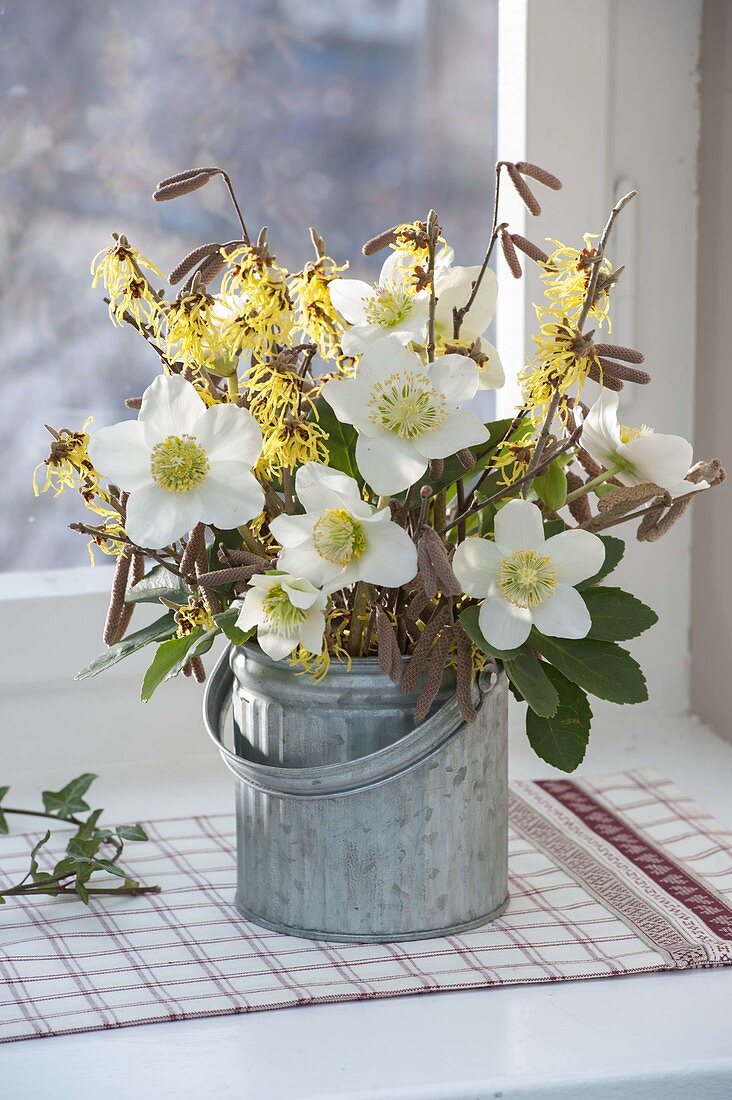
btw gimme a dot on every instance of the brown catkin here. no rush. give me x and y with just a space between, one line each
437 468
199 672
189 262
194 555
627 497
435 673
211 267
579 509
390 659
137 572
622 373
133 402
419 657
587 462
614 351
381 240
464 673
539 174
182 187
434 548
242 557
113 621
220 578
466 458
509 255
426 570
529 249
609 381
523 190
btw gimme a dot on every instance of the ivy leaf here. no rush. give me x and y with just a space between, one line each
172 655
469 623
529 677
110 867
227 622
158 584
617 615
131 832
33 861
70 799
551 487
340 441
614 550
599 668
3 819
155 632
561 739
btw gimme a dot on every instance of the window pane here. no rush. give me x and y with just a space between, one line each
346 116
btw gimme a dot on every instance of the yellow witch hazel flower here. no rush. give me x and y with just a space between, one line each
564 359
191 329
256 309
193 615
315 316
68 465
119 267
290 444
566 276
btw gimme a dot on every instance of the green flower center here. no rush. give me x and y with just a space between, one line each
281 613
407 405
338 537
178 464
390 305
526 578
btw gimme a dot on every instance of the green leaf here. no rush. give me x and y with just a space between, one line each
33 861
600 668
528 675
110 867
614 550
551 487
561 739
155 632
158 584
70 799
553 527
617 615
3 819
341 441
469 623
172 655
131 832
227 622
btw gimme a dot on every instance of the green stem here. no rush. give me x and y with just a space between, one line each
359 617
232 383
590 485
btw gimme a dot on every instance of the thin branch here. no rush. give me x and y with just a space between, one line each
459 314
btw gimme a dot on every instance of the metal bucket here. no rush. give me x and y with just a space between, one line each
351 824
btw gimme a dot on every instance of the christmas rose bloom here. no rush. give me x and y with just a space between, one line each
637 455
453 287
287 612
341 539
182 463
391 307
406 413
526 580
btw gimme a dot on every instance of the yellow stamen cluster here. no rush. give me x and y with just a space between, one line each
193 615
338 537
526 578
179 464
120 269
263 315
337 623
566 277
316 318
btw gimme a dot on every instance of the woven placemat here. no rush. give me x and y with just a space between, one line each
617 875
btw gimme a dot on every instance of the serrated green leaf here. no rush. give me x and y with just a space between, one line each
528 675
131 832
158 584
469 623
561 739
155 632
340 442
172 655
614 550
617 615
551 487
70 799
599 668
227 622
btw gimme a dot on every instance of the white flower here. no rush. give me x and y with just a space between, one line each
406 413
287 612
637 455
453 287
526 580
181 463
341 539
391 307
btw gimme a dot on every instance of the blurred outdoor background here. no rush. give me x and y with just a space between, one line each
346 116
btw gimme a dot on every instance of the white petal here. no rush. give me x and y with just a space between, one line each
575 555
600 430
475 564
252 611
518 526
276 645
385 358
305 561
350 297
397 268
228 433
502 624
461 429
292 530
390 558
456 376
357 340
491 375
301 593
388 464
156 517
122 454
170 406
663 459
319 487
563 615
348 398
230 495
453 290
311 632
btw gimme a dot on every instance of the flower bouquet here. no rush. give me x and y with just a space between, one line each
308 476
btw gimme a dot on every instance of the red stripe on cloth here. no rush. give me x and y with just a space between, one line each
669 875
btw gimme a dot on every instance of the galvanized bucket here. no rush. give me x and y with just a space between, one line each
352 825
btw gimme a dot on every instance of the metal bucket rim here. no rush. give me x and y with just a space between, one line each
330 779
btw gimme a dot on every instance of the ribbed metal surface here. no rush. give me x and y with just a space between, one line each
351 824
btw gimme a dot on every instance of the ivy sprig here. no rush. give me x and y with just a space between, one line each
90 851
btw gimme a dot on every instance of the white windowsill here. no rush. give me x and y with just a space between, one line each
637 1038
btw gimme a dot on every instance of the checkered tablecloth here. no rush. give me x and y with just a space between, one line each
617 875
